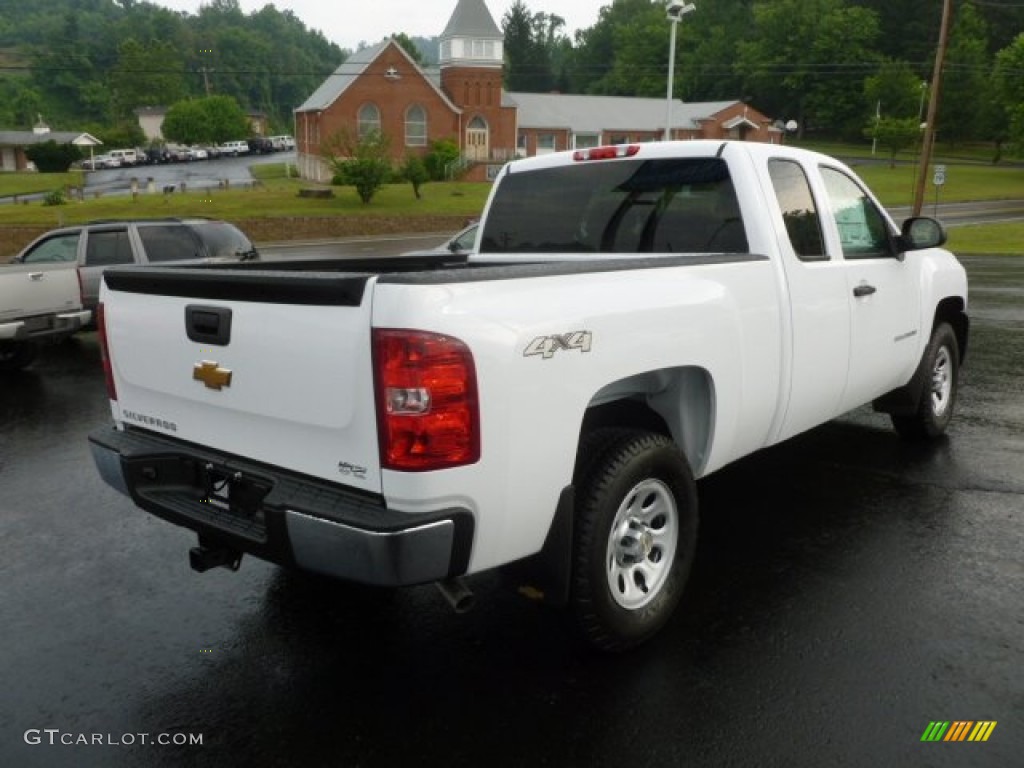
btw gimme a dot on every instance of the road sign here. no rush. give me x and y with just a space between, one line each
940 176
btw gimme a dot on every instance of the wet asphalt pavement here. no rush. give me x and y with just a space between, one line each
849 589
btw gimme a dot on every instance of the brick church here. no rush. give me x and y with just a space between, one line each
381 88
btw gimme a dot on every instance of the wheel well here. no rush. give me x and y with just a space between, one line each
951 310
677 403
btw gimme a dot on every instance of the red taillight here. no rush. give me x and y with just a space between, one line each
81 288
606 153
108 371
427 411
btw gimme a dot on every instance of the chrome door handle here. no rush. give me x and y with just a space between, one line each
37 276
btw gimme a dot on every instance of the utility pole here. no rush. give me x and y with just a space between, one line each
206 78
933 108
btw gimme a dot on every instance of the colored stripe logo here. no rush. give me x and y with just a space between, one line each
958 730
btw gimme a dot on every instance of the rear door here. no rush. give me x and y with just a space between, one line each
273 367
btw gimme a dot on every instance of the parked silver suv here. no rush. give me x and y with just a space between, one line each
101 244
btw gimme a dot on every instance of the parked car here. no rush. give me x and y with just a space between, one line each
198 153
99 162
234 148
125 156
260 145
282 143
156 155
101 244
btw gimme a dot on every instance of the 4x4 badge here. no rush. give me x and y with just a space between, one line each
547 346
212 375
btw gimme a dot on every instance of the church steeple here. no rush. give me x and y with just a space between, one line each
472 38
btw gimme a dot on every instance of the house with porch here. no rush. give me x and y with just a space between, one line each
14 144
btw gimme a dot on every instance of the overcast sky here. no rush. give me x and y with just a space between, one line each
349 22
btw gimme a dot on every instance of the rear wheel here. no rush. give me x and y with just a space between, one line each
938 396
15 355
636 509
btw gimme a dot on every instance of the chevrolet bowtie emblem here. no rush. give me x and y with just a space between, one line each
212 375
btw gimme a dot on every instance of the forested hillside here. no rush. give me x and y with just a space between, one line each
82 62
828 64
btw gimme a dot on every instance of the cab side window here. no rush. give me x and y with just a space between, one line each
799 213
863 231
109 247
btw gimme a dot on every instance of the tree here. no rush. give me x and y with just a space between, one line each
210 120
894 133
442 155
409 47
415 172
898 90
801 57
363 163
51 157
965 77
145 74
1009 86
532 43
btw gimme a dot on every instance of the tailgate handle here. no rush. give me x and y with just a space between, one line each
208 325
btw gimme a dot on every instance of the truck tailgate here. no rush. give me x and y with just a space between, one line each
221 359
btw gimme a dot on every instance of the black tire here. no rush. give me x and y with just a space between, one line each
941 368
15 355
635 536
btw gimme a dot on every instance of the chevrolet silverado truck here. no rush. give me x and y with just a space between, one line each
635 317
38 303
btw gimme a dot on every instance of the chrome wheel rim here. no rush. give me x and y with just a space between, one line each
942 381
642 544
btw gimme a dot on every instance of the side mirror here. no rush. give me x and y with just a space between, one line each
922 232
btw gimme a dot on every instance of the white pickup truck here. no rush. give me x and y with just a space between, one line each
38 302
636 317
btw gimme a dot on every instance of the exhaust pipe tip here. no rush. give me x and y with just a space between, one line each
457 594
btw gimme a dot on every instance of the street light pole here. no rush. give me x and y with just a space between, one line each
674 11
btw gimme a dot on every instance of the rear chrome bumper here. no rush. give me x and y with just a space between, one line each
283 517
31 329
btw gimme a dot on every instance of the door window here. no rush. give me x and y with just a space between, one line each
56 248
103 249
863 231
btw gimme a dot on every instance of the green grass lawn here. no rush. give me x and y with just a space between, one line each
895 186
274 196
1006 239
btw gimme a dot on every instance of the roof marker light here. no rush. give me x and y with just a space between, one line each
606 153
